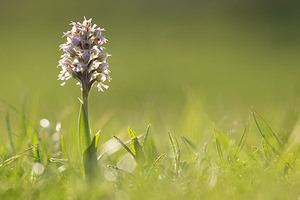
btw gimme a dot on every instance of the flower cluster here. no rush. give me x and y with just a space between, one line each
84 59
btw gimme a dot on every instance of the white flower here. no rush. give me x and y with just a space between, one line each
84 55
100 40
87 23
65 62
97 32
100 85
69 49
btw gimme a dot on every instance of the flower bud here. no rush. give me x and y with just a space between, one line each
94 52
100 67
75 28
102 57
97 33
75 41
83 34
100 77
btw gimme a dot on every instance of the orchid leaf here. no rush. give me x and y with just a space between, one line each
90 157
83 130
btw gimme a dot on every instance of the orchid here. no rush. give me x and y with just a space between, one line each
84 59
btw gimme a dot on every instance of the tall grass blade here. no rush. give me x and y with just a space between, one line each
62 140
268 126
188 142
36 152
7 161
172 141
131 133
124 145
9 130
24 111
24 118
265 148
176 152
219 149
262 134
146 136
136 148
120 170
242 140
157 161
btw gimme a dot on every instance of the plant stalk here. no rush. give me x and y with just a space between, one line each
84 96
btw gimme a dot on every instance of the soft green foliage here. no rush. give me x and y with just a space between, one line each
223 166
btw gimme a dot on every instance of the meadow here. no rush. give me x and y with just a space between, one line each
212 86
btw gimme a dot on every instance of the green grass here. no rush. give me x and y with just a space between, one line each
192 69
255 162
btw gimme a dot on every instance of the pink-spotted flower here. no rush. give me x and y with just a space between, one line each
84 58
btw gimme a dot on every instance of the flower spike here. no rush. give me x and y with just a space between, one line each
84 58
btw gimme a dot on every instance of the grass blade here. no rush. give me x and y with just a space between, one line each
187 142
268 126
156 163
176 152
62 144
123 145
24 118
136 148
172 141
159 159
7 161
146 136
265 148
131 133
36 152
24 129
120 170
9 130
219 149
242 140
262 134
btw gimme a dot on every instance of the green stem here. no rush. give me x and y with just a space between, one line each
84 128
85 100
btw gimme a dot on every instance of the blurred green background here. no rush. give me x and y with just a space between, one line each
223 56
